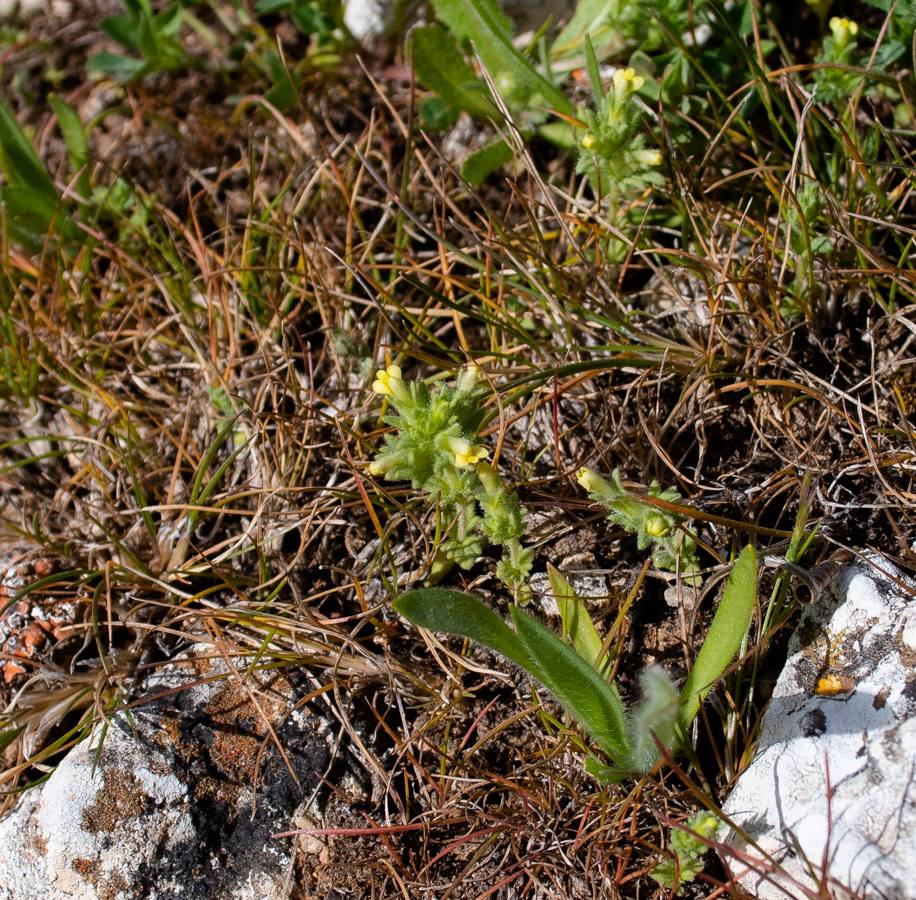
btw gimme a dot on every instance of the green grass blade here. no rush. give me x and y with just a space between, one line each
441 67
724 637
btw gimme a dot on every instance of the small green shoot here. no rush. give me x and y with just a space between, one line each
153 35
673 549
689 844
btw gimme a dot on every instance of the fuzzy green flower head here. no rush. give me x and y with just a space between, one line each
672 548
434 445
844 30
688 847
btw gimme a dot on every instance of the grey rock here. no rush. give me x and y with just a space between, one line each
169 809
831 794
370 20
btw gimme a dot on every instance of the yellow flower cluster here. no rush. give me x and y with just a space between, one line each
626 82
386 380
844 30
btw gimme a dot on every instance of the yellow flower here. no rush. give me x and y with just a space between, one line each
591 481
649 157
386 380
466 454
626 81
590 141
843 31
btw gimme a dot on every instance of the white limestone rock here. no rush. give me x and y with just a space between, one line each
831 794
169 811
369 20
590 586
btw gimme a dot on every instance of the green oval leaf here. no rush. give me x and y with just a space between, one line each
724 637
454 612
585 695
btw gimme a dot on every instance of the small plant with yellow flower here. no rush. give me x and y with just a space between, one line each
834 82
611 149
436 447
674 548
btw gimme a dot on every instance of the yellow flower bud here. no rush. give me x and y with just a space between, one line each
657 526
649 157
844 30
590 141
591 481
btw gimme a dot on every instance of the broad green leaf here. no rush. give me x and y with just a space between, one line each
441 67
19 162
436 114
585 695
168 22
455 14
577 623
29 216
560 134
454 612
602 772
121 29
120 67
590 15
725 635
263 7
283 94
77 145
483 162
480 21
148 41
9 735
